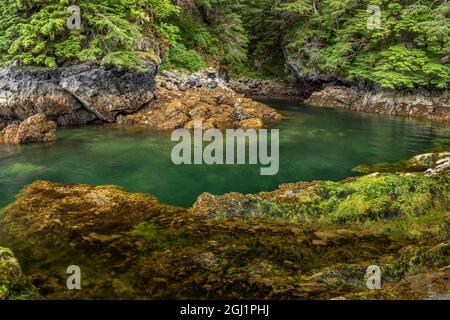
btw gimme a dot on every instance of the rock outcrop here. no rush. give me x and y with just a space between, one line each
73 95
434 162
214 108
34 129
267 88
423 106
73 213
307 240
109 92
13 284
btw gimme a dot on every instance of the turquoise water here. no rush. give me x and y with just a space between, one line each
315 144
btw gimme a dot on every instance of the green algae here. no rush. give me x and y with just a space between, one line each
302 241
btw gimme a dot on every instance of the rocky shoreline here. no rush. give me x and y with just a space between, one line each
305 240
213 108
203 97
424 105
89 93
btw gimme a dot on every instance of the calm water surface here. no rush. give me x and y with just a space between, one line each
314 144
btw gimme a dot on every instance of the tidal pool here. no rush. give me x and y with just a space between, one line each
315 144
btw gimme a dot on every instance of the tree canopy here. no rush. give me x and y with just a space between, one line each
410 48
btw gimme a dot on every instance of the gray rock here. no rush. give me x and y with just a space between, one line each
73 95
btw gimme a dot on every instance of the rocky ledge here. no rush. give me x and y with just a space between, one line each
213 107
73 95
34 129
428 163
305 240
434 107
13 284
177 80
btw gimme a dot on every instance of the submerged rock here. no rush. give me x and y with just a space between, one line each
267 88
34 129
213 107
307 240
423 106
13 284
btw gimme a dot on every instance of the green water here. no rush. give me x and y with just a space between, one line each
315 144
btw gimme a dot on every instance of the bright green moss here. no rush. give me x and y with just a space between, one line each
13 284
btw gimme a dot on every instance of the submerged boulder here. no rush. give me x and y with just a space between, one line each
435 107
34 129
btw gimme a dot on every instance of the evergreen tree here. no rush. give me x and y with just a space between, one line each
113 31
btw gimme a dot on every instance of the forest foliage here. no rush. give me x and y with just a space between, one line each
247 37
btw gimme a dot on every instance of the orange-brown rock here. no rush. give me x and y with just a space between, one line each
215 108
62 213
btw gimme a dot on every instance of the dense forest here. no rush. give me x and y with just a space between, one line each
410 47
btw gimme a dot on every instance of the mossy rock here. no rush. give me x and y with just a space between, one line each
13 284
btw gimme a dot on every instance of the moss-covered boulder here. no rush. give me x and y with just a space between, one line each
353 201
306 240
13 284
